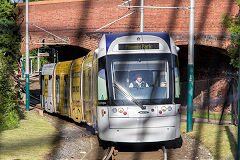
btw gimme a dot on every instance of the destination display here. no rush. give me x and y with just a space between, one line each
138 46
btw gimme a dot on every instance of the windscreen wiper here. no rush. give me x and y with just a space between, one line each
128 95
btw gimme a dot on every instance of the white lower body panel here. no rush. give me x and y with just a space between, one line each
137 129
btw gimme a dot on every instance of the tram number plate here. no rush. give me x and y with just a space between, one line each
138 46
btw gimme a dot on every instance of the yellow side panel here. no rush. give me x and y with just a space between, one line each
76 107
63 71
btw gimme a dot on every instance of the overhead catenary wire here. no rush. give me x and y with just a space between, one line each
115 21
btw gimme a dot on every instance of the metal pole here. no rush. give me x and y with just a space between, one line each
22 67
31 68
27 60
38 60
190 67
142 16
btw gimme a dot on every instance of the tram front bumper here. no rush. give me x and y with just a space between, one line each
137 130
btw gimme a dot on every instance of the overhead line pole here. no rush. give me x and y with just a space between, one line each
142 16
190 67
27 60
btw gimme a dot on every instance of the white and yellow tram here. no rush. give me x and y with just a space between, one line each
97 89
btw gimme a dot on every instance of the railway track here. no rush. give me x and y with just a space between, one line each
113 154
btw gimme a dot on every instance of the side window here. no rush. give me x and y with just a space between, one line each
89 85
58 92
66 93
101 80
177 79
102 87
84 88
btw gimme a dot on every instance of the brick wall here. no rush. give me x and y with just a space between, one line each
71 19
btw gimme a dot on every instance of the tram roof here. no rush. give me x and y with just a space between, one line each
112 36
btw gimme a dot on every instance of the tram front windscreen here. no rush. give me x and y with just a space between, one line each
144 78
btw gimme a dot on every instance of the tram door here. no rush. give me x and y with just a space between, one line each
49 98
87 95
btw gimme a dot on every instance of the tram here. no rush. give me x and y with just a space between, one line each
127 89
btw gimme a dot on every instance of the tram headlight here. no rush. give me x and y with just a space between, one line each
120 110
163 108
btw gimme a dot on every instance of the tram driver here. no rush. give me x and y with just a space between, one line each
138 83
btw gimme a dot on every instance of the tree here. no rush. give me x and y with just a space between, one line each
233 25
10 39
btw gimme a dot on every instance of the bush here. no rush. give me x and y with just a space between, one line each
233 25
9 55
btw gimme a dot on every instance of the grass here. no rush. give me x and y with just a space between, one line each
211 115
221 140
33 139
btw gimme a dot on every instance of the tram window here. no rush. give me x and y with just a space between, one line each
102 87
58 92
65 93
121 77
89 89
49 77
155 79
84 88
177 79
89 84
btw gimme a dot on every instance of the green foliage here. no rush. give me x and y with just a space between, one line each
233 25
9 55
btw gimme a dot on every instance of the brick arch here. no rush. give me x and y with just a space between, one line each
211 70
209 62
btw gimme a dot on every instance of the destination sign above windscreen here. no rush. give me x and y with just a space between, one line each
138 46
